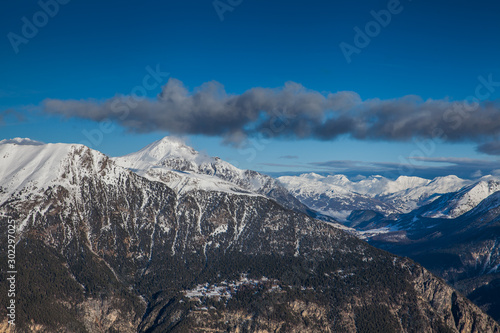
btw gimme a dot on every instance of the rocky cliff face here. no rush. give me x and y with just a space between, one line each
455 309
464 251
102 249
449 225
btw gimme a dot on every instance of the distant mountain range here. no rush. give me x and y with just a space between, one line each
340 196
170 240
450 225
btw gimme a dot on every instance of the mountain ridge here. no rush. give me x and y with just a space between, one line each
454 234
171 161
123 250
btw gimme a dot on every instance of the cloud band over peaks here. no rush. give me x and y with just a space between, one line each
291 111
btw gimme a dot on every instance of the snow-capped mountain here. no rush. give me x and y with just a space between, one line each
29 172
101 248
448 224
426 191
182 168
30 167
487 207
457 237
464 200
336 195
332 195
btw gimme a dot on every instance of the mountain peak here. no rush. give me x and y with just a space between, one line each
339 177
172 143
170 147
34 166
447 178
405 182
311 175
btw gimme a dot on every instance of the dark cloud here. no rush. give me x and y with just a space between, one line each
490 148
291 111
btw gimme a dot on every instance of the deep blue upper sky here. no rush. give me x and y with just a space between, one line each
96 50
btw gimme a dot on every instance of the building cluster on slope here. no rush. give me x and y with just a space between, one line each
226 289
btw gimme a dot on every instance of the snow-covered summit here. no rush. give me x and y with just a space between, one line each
376 186
22 165
168 147
171 161
402 195
29 167
466 199
173 153
372 186
27 170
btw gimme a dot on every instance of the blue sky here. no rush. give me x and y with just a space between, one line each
93 51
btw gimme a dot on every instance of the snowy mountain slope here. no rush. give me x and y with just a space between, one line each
28 172
336 193
377 185
464 200
428 190
464 250
458 209
29 168
490 206
332 195
103 249
184 169
450 225
371 186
